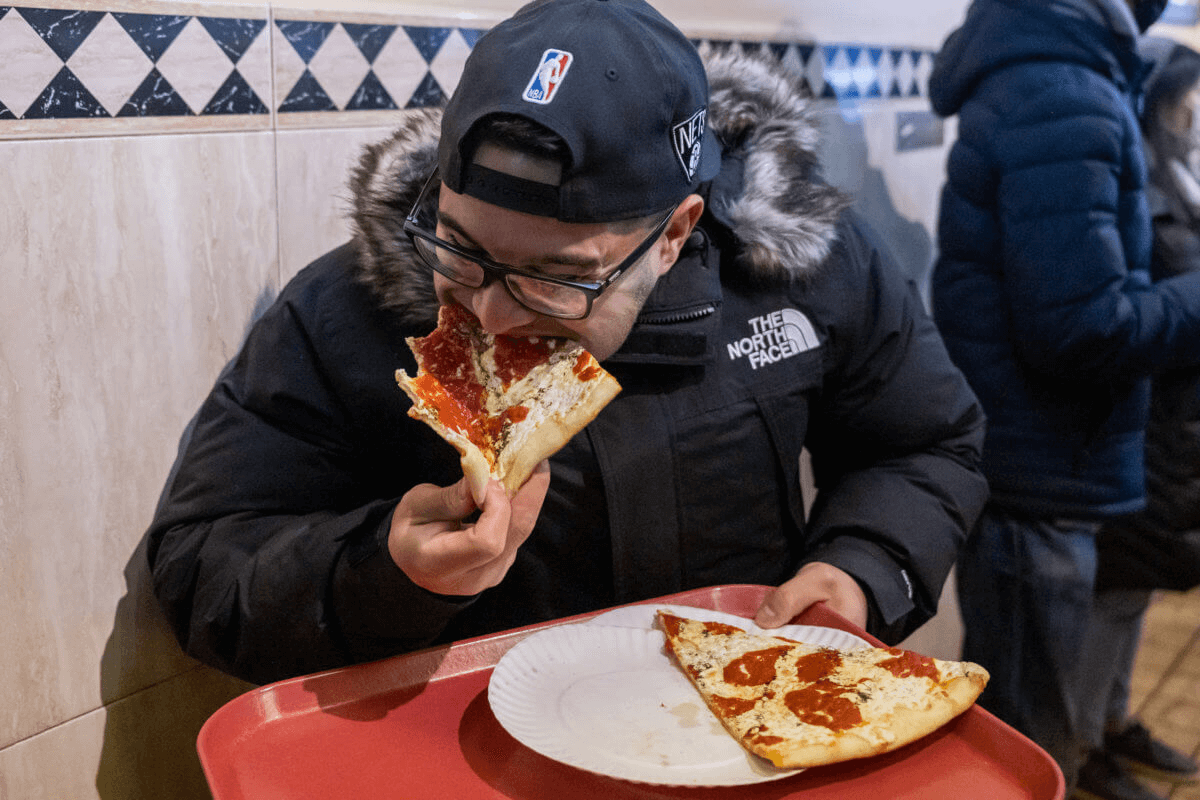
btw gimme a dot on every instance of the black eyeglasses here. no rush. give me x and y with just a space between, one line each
542 294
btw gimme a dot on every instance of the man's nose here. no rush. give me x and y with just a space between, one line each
497 310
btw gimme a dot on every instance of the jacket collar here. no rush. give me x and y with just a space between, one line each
678 323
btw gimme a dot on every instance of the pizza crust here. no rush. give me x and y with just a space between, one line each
906 725
793 755
561 407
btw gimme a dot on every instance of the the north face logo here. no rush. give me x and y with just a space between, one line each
776 336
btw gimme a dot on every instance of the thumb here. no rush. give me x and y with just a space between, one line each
431 503
774 611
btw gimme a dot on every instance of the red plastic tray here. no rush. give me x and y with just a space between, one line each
419 726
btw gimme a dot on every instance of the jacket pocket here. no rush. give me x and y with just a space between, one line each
741 504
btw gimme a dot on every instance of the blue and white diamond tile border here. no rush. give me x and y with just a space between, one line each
104 71
352 67
846 72
74 71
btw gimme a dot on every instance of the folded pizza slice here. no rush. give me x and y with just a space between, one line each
505 403
802 705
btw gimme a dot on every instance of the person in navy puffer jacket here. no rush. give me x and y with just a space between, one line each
1140 555
1043 294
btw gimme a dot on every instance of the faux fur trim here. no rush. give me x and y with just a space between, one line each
384 186
784 216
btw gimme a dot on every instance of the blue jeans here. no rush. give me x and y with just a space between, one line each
1025 587
1113 636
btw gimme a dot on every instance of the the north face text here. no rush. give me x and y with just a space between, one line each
775 336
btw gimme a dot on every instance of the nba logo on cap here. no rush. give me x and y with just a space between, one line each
547 77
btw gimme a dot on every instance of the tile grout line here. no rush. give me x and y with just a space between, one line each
102 706
271 60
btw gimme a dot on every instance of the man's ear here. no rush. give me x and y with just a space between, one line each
683 221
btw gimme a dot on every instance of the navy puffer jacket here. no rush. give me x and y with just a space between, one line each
1041 289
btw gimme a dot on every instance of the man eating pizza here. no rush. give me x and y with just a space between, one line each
593 180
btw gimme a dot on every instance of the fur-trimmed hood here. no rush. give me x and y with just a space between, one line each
768 192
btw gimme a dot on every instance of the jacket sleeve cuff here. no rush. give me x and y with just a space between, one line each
887 585
380 611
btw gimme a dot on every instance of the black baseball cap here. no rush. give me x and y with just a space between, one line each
622 86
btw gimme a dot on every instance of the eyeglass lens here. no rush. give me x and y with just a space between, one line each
538 295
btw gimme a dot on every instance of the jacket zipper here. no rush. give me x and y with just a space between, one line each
671 318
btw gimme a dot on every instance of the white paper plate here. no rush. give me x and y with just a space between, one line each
609 700
643 617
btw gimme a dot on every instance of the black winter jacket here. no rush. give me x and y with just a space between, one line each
779 328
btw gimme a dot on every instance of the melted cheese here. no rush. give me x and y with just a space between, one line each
549 391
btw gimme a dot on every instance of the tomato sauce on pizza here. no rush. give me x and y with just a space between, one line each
450 381
515 357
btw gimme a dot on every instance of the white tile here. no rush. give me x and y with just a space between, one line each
288 65
867 21
905 74
792 62
886 73
400 67
62 762
195 66
863 73
447 65
339 66
815 71
110 64
130 275
255 66
314 200
840 72
922 72
27 64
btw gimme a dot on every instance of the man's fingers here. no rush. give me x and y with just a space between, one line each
780 606
437 547
521 513
468 546
527 502
469 558
431 542
428 503
502 527
815 582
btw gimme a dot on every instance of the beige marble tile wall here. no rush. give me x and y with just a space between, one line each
119 306
313 198
167 166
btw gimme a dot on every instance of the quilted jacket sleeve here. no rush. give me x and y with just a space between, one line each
896 448
267 550
1060 153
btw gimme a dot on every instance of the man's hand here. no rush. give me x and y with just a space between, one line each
439 551
814 583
